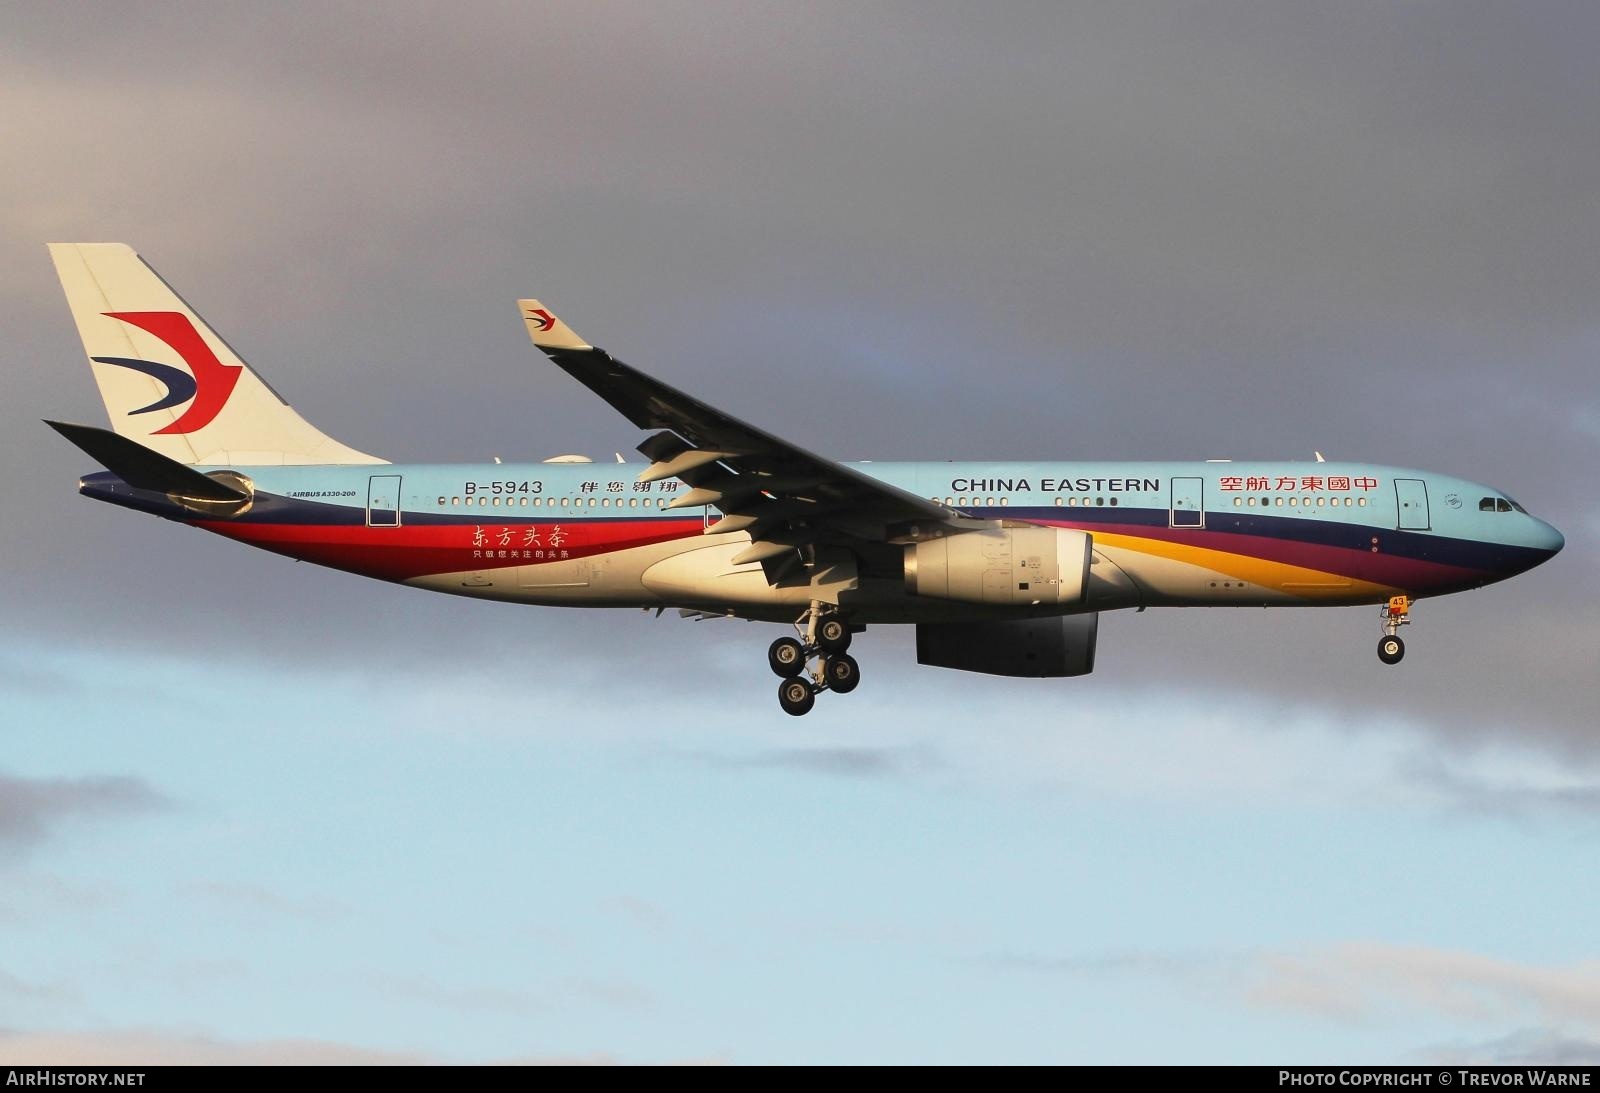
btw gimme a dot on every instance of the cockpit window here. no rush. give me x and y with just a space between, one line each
1519 508
1486 505
1502 505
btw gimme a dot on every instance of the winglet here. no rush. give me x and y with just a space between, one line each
547 331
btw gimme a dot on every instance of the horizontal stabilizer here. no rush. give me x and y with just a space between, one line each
143 468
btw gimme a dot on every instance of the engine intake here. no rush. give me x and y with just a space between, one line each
1015 566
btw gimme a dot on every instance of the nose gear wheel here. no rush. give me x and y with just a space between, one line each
1395 614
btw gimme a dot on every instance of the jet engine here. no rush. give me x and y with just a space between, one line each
1012 566
1062 646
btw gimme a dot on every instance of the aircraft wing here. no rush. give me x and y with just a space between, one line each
783 495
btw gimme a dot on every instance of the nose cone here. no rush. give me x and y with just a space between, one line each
1548 539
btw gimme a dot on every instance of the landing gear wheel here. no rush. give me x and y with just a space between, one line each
833 636
842 673
787 658
1391 649
796 697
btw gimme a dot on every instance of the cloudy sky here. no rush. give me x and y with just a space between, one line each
253 810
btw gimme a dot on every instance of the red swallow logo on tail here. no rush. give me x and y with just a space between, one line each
212 383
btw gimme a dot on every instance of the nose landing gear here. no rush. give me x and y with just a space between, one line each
1396 613
824 637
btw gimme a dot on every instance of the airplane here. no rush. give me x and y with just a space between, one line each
1003 568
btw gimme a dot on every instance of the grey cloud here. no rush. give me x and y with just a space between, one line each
14 989
159 1047
31 808
1514 799
173 1047
1554 1009
849 762
1365 980
1186 967
613 994
559 995
32 1000
261 900
641 913
476 998
1524 1047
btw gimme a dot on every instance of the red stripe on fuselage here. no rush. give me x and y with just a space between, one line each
402 553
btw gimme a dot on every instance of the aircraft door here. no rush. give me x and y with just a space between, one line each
383 501
1188 503
1412 496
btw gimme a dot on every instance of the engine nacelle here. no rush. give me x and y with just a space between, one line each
1062 646
1011 566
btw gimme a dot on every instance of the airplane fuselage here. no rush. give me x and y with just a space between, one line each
1164 534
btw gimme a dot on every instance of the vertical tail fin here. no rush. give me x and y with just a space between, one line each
168 380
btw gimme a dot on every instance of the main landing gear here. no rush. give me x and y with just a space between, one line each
825 637
1396 613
